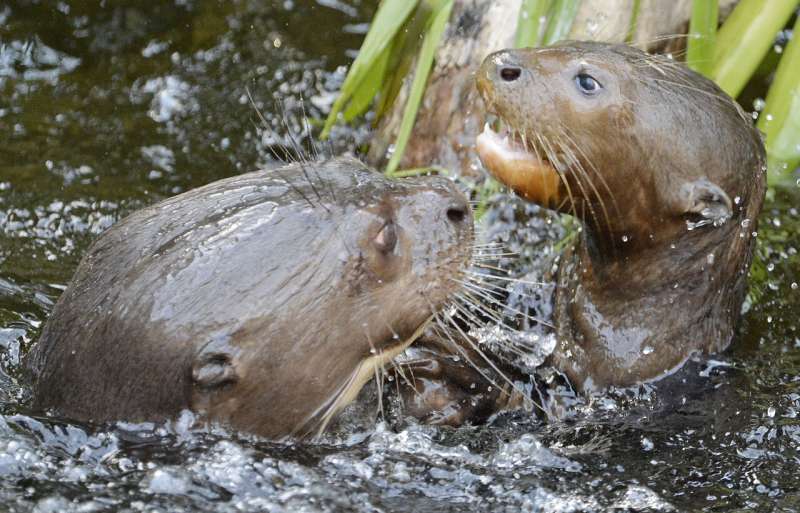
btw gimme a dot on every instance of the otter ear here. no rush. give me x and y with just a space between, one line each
707 200
214 367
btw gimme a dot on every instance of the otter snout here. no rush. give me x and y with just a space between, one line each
456 211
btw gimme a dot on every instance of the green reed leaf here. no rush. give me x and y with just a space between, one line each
702 36
780 119
636 8
423 68
744 39
562 15
529 22
390 17
362 95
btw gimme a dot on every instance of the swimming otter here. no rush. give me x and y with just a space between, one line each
263 301
667 175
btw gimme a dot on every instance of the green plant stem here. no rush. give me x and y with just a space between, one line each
632 26
562 15
745 38
780 120
702 36
529 22
423 68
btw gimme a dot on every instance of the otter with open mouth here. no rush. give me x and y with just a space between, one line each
667 175
263 302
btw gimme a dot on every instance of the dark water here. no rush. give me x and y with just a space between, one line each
108 106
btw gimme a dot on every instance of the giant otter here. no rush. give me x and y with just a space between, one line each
263 301
666 174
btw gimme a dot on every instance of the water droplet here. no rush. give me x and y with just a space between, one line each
647 350
624 238
771 411
759 104
793 285
647 444
778 48
710 258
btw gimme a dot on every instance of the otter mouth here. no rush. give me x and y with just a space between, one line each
520 165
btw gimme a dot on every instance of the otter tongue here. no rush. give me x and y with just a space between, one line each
518 168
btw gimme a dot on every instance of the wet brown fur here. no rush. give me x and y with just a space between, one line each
661 149
252 300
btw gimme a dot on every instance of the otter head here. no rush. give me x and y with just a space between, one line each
351 269
628 142
667 175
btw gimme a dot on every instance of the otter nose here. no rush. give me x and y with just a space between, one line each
457 212
506 66
510 73
498 68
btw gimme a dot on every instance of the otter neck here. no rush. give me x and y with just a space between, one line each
650 259
654 299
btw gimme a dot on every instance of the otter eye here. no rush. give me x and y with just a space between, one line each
386 239
587 84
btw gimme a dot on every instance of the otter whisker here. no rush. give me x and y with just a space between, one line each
554 161
464 306
399 368
487 247
507 307
504 278
579 178
491 315
488 252
578 167
487 244
499 290
312 147
303 160
473 322
488 286
491 250
596 172
528 147
463 353
492 267
483 355
714 95
379 374
287 156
